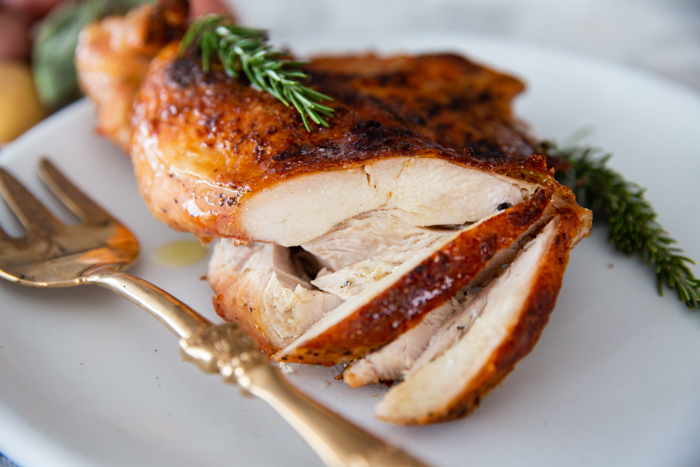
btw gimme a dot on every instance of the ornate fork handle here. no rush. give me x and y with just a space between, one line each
179 318
55 254
225 349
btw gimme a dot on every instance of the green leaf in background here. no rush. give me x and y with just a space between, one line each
53 55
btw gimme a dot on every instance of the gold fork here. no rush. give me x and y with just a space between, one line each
99 248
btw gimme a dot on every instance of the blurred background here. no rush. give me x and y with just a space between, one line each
661 35
37 37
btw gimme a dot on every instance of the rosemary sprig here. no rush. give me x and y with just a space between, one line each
245 52
631 220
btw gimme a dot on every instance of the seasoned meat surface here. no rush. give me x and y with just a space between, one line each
447 98
353 241
512 312
400 301
205 146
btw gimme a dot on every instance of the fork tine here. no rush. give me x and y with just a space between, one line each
74 199
35 218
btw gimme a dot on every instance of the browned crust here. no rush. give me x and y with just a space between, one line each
238 140
527 331
449 99
240 316
430 284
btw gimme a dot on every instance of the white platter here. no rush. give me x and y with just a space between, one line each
87 379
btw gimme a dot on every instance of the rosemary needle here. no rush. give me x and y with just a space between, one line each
245 52
630 218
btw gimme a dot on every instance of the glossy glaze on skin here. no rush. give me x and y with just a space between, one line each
447 98
218 158
203 145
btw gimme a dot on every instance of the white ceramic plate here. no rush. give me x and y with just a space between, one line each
86 378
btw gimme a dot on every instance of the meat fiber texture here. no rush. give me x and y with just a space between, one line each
383 240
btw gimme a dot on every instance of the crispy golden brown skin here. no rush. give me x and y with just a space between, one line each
203 144
449 99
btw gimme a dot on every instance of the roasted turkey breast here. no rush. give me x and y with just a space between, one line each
399 301
419 225
218 158
496 330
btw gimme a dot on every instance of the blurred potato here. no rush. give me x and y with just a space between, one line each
19 106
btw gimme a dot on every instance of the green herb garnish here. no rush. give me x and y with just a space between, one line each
245 51
631 220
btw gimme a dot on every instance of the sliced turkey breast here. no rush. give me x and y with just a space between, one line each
376 234
391 361
301 209
265 289
354 279
512 311
400 300
343 240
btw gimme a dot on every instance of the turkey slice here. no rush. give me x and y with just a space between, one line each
265 289
513 311
391 361
400 300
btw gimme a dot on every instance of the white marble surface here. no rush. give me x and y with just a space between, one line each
659 35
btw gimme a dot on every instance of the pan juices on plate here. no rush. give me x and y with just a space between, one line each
417 238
